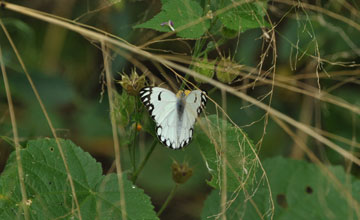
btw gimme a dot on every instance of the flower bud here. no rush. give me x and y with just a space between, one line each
181 172
133 84
226 70
137 126
205 68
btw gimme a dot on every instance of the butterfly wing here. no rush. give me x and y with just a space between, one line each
161 104
195 103
174 117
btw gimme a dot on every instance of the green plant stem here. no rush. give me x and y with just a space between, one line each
168 199
129 148
133 148
136 173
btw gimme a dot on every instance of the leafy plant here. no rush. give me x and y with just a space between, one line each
220 139
181 14
300 190
193 21
274 85
49 193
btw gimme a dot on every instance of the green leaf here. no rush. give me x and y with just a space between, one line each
181 13
245 16
235 211
48 189
220 136
300 190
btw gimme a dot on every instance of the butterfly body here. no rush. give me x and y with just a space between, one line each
174 115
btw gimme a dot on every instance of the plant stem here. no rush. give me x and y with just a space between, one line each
130 153
136 173
168 199
199 44
133 148
212 90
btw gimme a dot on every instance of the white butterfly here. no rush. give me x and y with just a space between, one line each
174 115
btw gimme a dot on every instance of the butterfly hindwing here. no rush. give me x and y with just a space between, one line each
195 103
174 117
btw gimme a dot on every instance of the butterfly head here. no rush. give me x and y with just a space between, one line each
182 93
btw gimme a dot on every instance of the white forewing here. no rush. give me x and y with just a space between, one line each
174 125
159 102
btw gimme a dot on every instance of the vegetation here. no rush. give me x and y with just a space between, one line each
277 140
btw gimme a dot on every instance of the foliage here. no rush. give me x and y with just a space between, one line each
194 21
49 193
294 59
182 14
300 191
220 138
245 16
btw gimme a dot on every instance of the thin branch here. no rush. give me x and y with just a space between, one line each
114 130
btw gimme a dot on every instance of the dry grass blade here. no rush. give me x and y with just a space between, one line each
109 85
77 209
322 11
23 205
223 161
288 84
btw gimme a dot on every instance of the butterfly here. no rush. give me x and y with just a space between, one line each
174 115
